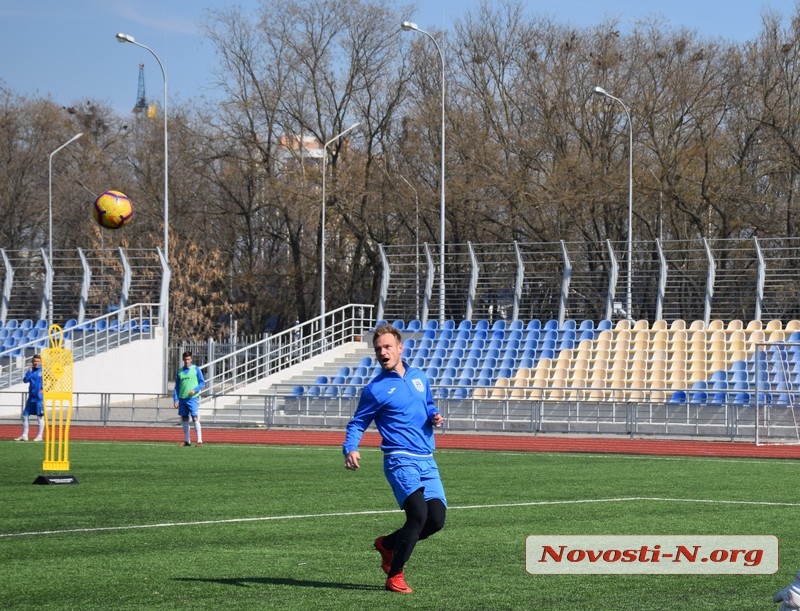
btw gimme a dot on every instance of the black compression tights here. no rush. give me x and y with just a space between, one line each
423 518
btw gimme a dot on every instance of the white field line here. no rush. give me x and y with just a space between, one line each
379 512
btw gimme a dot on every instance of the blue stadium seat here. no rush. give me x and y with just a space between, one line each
414 325
465 325
569 324
460 392
516 325
11 324
314 391
534 325
678 396
499 325
604 325
482 325
349 391
42 324
26 324
432 324
298 391
551 325
418 361
399 324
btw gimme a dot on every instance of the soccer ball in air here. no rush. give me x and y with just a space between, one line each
112 209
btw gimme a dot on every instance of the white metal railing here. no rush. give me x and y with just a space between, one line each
90 338
277 352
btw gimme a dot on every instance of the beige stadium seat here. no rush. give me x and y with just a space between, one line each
536 391
792 325
754 325
736 341
679 324
755 337
597 390
623 324
774 325
659 325
616 390
777 336
715 324
735 325
697 325
641 325
519 388
500 390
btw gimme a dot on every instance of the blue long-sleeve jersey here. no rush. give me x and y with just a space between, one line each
402 408
35 384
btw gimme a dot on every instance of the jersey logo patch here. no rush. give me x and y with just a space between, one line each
419 385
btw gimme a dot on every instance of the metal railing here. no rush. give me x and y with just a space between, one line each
280 408
276 352
87 339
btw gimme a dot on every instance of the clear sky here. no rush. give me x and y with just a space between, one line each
66 50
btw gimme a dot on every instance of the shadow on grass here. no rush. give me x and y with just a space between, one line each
281 581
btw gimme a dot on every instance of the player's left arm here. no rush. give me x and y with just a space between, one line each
201 381
434 416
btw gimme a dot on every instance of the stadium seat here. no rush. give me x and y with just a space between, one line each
414 325
534 325
678 396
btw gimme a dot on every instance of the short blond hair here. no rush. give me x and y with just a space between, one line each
385 329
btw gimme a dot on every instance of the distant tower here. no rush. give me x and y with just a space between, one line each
142 107
141 101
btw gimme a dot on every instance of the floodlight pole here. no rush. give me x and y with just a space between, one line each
165 315
406 26
601 91
50 224
322 246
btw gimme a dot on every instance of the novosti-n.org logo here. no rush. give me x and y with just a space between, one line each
651 554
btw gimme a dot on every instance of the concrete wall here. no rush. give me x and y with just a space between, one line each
133 368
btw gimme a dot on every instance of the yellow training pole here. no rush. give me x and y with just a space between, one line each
57 397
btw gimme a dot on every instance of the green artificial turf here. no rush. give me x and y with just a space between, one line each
262 527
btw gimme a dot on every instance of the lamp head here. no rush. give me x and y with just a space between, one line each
125 38
408 25
600 91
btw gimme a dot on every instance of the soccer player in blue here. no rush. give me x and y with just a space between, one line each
188 383
34 406
399 400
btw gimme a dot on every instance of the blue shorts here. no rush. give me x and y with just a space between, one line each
188 407
407 474
33 408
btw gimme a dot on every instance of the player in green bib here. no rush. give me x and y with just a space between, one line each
188 383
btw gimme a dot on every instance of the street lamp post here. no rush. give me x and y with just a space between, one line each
603 92
128 38
416 235
50 223
322 247
416 242
406 26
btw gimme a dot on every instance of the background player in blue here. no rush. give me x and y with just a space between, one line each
34 406
399 400
188 383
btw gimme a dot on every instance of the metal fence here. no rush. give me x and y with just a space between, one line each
702 279
280 408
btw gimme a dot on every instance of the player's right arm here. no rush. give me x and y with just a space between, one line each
351 461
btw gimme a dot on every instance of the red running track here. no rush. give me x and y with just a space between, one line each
446 440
